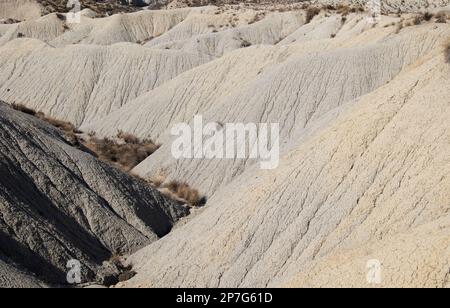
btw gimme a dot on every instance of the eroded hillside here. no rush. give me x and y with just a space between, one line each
363 107
59 203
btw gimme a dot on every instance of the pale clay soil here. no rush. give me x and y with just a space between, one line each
364 167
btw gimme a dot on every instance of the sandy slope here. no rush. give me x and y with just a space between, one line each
364 164
83 83
356 189
293 88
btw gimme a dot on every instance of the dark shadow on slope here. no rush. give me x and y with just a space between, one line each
85 247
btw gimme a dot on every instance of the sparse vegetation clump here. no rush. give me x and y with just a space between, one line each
102 8
344 10
311 12
441 17
126 152
127 275
70 131
24 109
185 192
256 18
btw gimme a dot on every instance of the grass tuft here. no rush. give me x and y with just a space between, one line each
311 12
127 152
24 109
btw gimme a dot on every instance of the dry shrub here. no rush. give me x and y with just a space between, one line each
417 20
127 137
428 16
127 275
185 192
157 181
344 10
73 139
441 17
128 152
117 260
24 109
65 126
311 12
70 132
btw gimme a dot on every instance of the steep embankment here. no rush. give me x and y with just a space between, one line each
83 83
290 86
371 182
134 27
364 170
33 9
58 203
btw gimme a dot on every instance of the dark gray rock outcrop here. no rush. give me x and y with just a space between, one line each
58 203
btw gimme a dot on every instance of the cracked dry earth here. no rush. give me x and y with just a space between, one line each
364 170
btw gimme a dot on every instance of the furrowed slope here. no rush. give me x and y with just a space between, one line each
370 182
202 21
83 83
20 9
269 31
294 92
388 6
188 94
394 6
59 203
198 90
133 27
45 29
